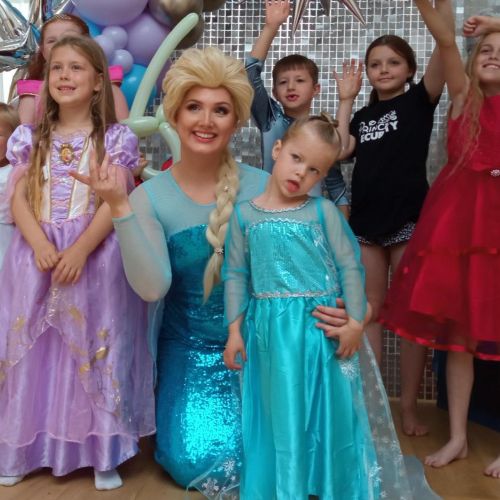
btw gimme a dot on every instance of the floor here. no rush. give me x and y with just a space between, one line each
145 480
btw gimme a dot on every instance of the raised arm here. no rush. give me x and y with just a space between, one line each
348 87
277 12
434 78
453 69
481 25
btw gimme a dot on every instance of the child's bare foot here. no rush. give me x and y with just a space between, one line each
493 470
107 480
454 449
10 480
410 424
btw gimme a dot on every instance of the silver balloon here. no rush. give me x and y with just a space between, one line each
18 39
193 36
300 7
209 5
54 7
172 11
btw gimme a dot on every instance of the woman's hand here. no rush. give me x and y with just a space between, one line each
46 255
234 346
349 82
349 337
70 266
107 184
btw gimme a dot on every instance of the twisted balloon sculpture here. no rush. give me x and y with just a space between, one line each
142 125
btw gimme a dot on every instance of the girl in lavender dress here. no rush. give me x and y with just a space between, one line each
75 373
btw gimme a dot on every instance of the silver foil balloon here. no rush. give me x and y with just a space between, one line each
173 11
18 39
54 7
210 5
301 5
193 36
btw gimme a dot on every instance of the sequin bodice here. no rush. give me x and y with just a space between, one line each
186 316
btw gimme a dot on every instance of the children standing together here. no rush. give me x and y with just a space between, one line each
74 361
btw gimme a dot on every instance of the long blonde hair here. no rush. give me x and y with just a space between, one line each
211 68
102 113
472 107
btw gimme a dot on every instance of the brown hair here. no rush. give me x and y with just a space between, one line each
37 64
102 113
323 125
402 48
9 116
295 61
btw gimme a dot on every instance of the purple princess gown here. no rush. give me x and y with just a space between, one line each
76 385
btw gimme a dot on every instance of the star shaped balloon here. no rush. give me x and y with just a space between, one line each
301 5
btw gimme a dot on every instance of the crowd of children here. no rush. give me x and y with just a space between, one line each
79 257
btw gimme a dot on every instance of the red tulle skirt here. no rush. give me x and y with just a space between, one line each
446 291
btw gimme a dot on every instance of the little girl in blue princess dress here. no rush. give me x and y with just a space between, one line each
306 428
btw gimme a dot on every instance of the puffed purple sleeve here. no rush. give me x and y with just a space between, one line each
18 153
122 145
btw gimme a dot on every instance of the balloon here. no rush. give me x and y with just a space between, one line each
158 62
110 12
193 36
175 10
117 34
122 58
157 11
107 45
145 35
131 83
209 5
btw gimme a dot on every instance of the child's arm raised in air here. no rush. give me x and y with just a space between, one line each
348 87
481 25
450 58
45 253
434 78
277 12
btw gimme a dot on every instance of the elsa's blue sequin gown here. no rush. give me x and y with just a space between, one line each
165 249
305 426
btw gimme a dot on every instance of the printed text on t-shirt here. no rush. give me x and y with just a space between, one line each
374 130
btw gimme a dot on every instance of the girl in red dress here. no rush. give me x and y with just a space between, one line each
446 291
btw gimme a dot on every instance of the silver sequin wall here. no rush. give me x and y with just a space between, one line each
328 41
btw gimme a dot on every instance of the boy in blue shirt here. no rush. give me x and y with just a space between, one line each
295 84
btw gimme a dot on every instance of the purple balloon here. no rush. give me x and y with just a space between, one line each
145 35
107 45
124 59
163 72
117 34
110 12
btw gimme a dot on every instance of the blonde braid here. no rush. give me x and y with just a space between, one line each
225 192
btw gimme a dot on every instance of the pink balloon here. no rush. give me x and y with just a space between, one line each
110 12
145 35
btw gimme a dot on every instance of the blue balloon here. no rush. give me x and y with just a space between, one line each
131 83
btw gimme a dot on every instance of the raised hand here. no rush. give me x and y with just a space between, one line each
479 25
107 184
349 82
277 12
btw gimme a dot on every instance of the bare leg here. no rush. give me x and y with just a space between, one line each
107 480
376 262
459 380
412 359
493 469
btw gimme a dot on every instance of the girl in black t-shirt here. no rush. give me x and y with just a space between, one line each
390 139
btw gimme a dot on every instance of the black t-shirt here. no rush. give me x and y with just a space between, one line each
389 181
